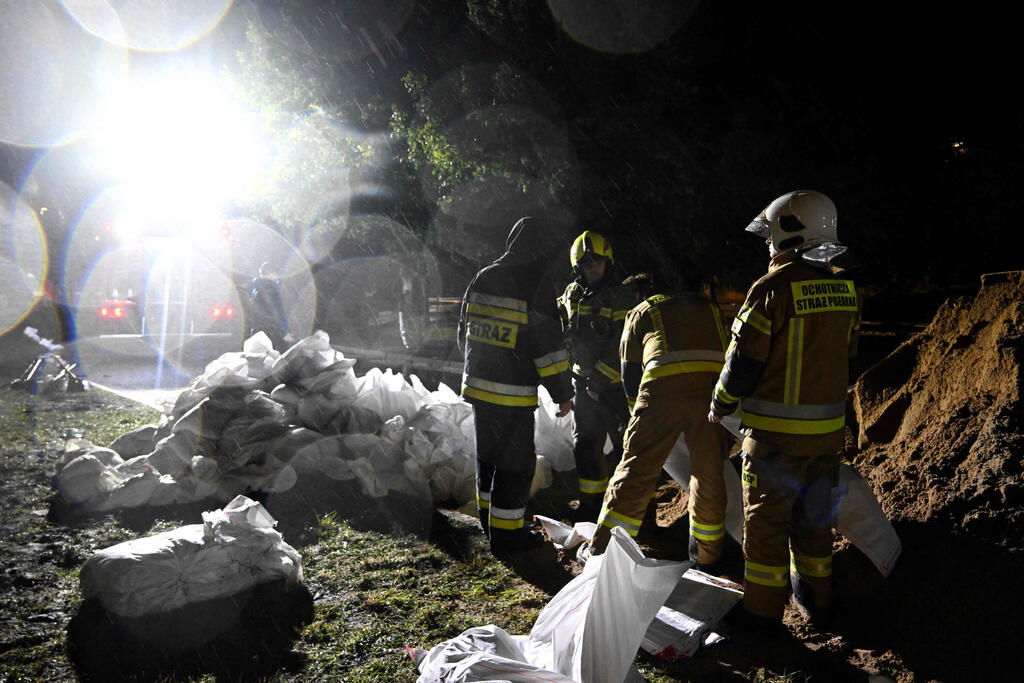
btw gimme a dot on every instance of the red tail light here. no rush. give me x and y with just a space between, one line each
104 312
118 312
216 311
229 312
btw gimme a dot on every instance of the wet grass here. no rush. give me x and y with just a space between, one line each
374 593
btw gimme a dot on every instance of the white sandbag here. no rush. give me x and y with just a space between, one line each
134 491
552 434
625 591
306 358
687 619
259 343
563 536
859 517
174 453
481 653
234 549
378 465
387 394
86 481
542 475
138 441
588 633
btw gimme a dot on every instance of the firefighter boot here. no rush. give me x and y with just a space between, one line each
708 566
484 515
508 545
804 599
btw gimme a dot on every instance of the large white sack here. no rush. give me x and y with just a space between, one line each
376 463
588 633
859 517
552 434
234 549
138 441
387 394
86 481
306 358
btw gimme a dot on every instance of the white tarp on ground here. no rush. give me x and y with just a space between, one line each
589 632
234 549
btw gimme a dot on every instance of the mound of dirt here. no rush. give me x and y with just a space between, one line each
939 421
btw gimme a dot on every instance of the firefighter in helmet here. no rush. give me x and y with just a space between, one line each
593 308
672 350
787 368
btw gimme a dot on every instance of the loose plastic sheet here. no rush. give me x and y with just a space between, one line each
588 633
234 549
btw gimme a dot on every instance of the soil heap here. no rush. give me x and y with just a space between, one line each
940 421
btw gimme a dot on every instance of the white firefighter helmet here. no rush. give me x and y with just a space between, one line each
797 219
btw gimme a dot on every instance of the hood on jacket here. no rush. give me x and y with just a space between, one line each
530 241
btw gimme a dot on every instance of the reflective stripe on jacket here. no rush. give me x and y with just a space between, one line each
788 358
511 339
671 335
594 323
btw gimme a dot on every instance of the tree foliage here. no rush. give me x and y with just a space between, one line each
461 117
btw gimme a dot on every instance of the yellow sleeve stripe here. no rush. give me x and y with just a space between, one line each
497 312
749 316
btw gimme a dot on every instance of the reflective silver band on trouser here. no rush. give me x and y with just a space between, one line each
483 499
677 356
706 532
765 575
514 395
814 567
503 518
610 518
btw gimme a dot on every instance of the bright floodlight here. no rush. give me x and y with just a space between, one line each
184 139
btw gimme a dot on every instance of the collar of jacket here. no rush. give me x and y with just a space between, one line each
783 259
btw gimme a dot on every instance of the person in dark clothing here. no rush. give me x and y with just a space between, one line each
266 312
511 341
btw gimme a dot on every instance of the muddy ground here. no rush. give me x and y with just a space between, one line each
937 429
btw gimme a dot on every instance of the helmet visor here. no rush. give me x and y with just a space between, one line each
759 226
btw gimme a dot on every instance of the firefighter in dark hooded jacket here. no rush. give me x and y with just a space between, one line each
792 341
511 340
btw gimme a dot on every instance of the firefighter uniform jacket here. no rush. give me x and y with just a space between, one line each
788 358
593 321
668 335
510 337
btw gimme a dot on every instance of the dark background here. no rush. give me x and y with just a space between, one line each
903 117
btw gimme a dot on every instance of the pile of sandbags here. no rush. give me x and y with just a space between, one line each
230 586
257 421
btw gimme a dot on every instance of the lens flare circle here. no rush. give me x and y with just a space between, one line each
148 25
51 77
24 259
621 27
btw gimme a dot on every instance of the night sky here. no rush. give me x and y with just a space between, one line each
904 117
